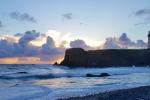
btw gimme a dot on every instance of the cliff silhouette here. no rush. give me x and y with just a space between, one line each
78 57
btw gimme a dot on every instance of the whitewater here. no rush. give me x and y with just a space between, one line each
48 82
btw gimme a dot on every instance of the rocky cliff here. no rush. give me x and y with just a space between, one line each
77 57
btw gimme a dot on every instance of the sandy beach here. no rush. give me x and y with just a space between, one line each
139 93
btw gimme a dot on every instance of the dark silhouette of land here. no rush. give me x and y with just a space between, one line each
77 57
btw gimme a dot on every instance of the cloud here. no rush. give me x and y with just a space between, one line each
11 38
67 16
18 34
22 17
141 43
111 43
27 37
23 45
80 44
6 49
49 47
50 52
14 46
143 23
10 48
123 42
143 14
61 39
70 16
1 25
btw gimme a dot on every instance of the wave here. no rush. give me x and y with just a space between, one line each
28 77
24 72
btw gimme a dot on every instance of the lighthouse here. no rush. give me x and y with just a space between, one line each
148 40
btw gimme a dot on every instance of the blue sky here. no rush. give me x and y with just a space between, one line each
99 18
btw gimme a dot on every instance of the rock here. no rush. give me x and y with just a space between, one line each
55 64
104 74
77 57
22 72
101 75
91 75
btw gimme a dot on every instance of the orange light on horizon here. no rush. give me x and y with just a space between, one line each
8 61
28 60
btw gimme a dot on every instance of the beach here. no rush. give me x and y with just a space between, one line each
139 93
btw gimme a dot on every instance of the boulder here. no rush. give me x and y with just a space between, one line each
104 74
23 72
101 75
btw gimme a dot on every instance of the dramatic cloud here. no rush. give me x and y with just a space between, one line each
1 25
80 44
6 49
10 48
111 43
123 42
50 48
27 37
67 16
144 14
23 46
22 17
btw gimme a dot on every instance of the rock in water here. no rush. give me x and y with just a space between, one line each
55 64
77 57
104 74
101 75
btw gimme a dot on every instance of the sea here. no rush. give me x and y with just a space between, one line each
48 82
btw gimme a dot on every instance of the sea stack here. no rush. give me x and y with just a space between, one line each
148 40
77 57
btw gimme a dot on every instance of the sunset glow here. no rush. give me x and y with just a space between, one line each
35 33
74 49
28 60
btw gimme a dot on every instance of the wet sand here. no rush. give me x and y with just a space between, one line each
140 93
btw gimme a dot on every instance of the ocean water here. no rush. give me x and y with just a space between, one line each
47 82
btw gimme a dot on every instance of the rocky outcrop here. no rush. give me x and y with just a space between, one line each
77 57
55 64
101 75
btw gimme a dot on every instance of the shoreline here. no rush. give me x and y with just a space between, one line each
138 93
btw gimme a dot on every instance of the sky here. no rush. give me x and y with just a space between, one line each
41 30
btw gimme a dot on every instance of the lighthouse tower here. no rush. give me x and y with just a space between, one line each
149 40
